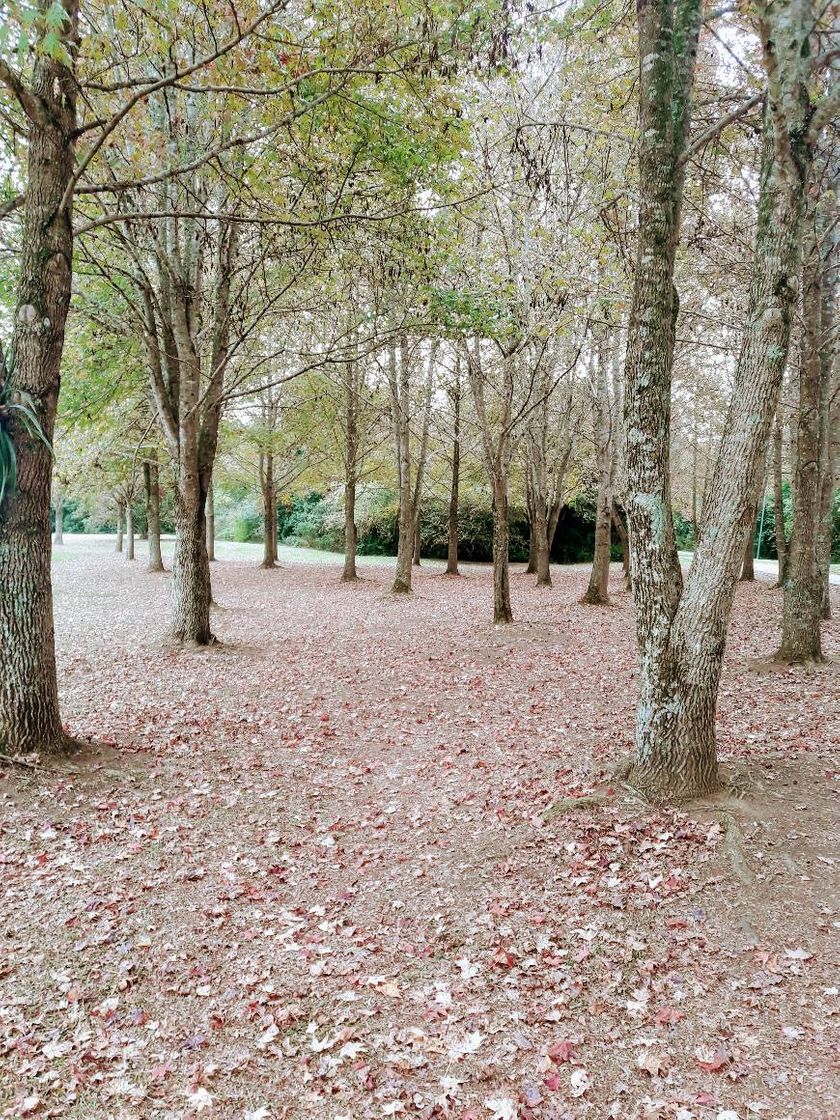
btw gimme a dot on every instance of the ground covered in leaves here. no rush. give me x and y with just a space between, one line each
329 868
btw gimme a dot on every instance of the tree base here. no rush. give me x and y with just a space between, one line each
593 598
267 565
544 581
662 789
400 587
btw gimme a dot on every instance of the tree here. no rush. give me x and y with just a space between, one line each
682 629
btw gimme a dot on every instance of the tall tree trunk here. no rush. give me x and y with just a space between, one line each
152 480
120 525
502 610
829 238
210 519
129 531
351 536
352 387
452 521
417 542
748 563
269 498
599 579
191 591
59 515
29 712
542 564
530 504
400 402
778 498
682 633
623 536
802 598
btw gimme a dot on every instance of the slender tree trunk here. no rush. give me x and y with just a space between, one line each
530 503
269 498
150 470
129 531
682 632
59 516
778 498
748 563
29 712
417 541
829 239
210 519
120 525
351 537
191 591
621 529
541 544
352 387
802 599
400 399
599 579
502 610
452 523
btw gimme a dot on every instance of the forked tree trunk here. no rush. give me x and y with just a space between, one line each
152 479
682 633
129 531
191 591
120 526
29 713
802 598
59 516
778 499
210 518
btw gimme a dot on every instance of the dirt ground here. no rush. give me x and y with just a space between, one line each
316 873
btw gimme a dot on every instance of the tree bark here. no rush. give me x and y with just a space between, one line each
129 531
802 597
400 403
621 529
269 498
352 387
452 521
778 498
29 711
191 591
210 518
599 579
59 515
682 633
502 610
120 525
417 542
152 478
748 562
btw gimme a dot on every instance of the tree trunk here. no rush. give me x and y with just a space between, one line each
802 598
59 516
599 579
352 386
210 520
502 611
530 504
191 592
829 238
351 536
682 633
269 498
778 498
129 531
29 712
621 529
417 541
748 563
120 525
150 470
542 560
400 401
452 522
